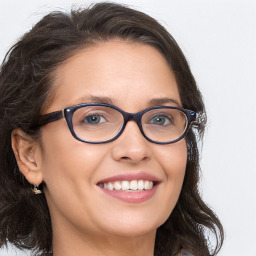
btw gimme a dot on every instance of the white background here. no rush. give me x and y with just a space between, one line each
219 39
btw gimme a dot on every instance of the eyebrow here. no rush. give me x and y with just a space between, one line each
107 100
96 99
161 101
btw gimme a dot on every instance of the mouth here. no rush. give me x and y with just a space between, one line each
131 187
128 186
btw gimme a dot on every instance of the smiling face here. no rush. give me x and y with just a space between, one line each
133 76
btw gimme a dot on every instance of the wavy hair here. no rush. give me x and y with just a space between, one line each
26 77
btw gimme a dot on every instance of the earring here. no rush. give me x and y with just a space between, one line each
36 190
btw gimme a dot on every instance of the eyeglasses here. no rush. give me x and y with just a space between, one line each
101 123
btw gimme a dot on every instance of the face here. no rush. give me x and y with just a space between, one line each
131 75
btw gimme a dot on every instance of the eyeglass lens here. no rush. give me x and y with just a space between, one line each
101 123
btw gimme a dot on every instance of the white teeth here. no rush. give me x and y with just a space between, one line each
146 184
125 185
133 185
110 186
140 185
117 185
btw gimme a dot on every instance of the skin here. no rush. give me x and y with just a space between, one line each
85 220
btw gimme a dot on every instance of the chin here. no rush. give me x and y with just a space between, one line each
134 226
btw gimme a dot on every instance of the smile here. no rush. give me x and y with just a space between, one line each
128 186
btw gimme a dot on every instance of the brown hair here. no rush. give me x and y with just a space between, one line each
25 88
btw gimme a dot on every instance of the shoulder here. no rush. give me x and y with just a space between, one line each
185 254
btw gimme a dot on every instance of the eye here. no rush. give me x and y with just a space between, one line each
94 119
160 120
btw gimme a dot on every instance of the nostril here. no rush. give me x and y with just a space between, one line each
125 158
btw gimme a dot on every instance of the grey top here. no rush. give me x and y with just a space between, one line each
182 254
185 254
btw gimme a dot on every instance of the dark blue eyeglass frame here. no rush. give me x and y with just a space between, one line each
67 113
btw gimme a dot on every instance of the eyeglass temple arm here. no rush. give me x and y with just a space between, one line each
51 117
193 116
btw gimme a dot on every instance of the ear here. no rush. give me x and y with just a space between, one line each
27 153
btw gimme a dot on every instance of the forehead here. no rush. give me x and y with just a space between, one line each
129 73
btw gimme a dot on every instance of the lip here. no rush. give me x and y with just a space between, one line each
131 197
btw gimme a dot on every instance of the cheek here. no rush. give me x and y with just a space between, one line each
67 162
69 176
173 160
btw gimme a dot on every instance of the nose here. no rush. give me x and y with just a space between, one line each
131 146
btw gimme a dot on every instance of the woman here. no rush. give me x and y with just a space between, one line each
101 117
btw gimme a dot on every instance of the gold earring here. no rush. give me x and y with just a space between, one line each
36 190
